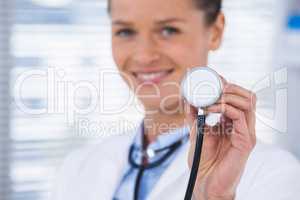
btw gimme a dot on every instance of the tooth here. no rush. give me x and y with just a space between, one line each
150 76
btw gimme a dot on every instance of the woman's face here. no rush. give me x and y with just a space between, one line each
154 42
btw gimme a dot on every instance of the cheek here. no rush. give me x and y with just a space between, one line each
120 53
117 54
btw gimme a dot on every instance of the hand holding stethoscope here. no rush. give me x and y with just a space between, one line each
227 145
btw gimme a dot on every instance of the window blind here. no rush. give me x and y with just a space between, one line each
63 36
5 67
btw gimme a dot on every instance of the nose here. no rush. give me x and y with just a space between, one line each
146 51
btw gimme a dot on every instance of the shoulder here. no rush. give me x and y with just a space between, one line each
272 156
106 148
267 160
271 173
85 162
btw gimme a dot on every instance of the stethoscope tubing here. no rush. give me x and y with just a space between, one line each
172 148
197 157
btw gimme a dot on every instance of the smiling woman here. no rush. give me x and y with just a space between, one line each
154 50
154 44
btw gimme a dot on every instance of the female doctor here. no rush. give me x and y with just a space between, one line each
154 43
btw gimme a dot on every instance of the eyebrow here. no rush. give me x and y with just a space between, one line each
164 21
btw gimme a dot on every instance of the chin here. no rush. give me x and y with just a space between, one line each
154 106
151 105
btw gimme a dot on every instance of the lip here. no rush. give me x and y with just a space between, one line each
150 76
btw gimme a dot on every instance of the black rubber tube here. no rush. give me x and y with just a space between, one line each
138 183
197 157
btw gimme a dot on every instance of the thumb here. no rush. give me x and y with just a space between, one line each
190 113
210 142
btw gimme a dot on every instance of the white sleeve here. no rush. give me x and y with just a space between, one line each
64 178
278 178
67 176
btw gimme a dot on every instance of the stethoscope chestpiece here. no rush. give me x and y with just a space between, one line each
202 87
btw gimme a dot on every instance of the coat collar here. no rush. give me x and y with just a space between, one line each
101 171
111 161
177 172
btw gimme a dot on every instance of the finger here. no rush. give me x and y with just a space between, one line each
224 81
237 116
226 126
251 119
252 99
190 112
210 141
237 101
231 88
240 148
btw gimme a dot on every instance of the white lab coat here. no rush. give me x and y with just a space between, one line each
93 173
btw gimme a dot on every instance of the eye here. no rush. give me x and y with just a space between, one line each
125 32
169 31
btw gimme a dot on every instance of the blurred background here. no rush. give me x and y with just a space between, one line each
48 45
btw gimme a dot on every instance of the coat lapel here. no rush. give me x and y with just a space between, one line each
101 173
176 173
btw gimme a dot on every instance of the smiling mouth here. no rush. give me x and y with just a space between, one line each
152 77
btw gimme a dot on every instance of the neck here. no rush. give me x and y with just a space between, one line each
159 123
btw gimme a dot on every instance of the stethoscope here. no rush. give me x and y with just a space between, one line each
164 153
201 87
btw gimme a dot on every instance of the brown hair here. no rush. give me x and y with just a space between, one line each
211 8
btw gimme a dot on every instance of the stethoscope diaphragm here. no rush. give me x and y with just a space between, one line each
202 87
